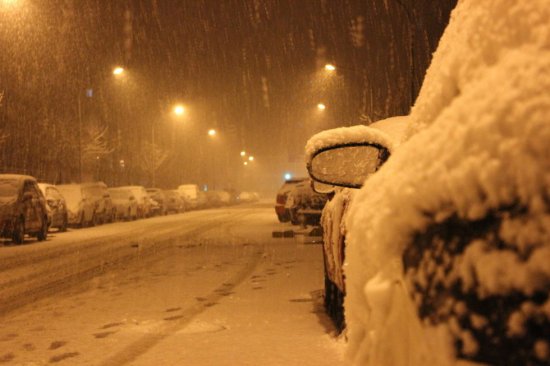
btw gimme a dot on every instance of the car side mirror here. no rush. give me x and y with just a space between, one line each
321 187
347 165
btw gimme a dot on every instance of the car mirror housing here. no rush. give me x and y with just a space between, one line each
346 165
321 187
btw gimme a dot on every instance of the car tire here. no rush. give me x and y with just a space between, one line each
18 234
43 233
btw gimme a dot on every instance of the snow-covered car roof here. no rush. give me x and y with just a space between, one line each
478 141
16 177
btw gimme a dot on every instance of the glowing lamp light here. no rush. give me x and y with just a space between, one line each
321 107
330 67
251 158
211 132
118 71
179 110
245 163
288 176
243 153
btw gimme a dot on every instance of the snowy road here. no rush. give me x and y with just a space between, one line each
201 288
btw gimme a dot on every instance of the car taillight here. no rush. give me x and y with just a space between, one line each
281 199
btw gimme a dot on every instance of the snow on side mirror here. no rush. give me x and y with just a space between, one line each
347 165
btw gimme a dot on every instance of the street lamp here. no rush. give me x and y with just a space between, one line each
212 132
117 71
321 106
243 153
179 110
330 67
251 158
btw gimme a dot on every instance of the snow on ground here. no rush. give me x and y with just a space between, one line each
478 141
209 288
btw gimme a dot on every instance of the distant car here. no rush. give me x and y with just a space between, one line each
57 208
304 205
125 203
383 137
280 201
190 193
173 202
247 197
22 208
98 193
159 197
142 198
81 206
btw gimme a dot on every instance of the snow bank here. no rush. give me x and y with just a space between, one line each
478 140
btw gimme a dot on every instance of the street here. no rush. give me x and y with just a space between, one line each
207 287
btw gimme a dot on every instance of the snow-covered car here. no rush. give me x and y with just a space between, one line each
99 194
304 205
22 208
173 202
81 207
142 198
372 145
57 208
159 197
190 194
280 199
448 255
126 207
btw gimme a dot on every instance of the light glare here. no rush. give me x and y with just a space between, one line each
118 71
321 107
212 132
330 67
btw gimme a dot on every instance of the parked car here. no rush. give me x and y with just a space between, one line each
379 140
22 208
81 205
142 198
448 249
280 200
190 194
304 205
58 216
159 197
126 206
98 193
174 203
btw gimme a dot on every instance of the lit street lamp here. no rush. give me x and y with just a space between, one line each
118 71
250 158
321 106
212 132
179 110
330 67
243 153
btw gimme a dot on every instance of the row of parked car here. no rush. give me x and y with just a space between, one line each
31 208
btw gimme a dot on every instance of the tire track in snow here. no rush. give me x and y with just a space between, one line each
49 270
186 316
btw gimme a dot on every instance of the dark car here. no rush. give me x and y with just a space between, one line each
159 197
304 205
57 208
280 200
173 202
22 208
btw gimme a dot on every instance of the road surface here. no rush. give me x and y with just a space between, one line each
207 287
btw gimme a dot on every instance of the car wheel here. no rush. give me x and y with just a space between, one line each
18 235
43 233
64 224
